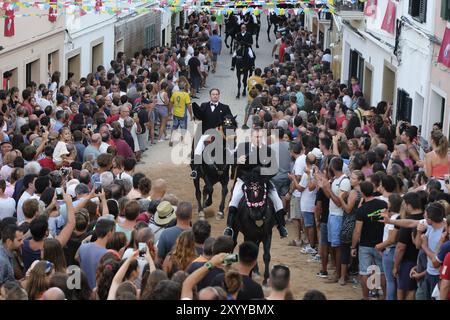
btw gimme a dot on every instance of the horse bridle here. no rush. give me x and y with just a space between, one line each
255 204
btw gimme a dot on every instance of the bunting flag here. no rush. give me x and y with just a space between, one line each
390 18
444 54
370 9
53 11
9 23
55 8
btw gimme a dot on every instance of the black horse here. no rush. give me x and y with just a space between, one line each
252 27
256 218
245 64
218 171
231 30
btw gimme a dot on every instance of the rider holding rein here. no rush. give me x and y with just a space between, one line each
250 157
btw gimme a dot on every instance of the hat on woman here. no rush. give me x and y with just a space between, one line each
165 213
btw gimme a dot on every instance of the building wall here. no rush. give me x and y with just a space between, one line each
35 38
19 57
132 31
83 42
440 75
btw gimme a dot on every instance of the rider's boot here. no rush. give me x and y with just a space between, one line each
279 218
232 212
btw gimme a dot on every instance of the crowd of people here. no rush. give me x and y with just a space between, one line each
366 195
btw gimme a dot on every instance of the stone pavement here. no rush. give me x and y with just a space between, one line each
226 81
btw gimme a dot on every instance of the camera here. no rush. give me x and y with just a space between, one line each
231 258
447 178
59 194
42 129
142 247
98 187
89 126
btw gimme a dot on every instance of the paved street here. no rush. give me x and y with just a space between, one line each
226 81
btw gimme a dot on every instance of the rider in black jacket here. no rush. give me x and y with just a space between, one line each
250 157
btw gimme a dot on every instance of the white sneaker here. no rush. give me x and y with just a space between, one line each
316 259
309 250
305 249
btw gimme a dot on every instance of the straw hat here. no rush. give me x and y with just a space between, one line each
165 213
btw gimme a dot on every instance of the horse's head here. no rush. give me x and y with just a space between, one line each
255 194
228 126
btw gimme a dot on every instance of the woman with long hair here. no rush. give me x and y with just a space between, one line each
353 122
182 255
54 253
349 204
37 279
61 153
437 161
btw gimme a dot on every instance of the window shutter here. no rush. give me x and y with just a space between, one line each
423 11
445 9
410 7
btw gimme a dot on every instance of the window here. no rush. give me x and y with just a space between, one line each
32 71
445 10
418 10
404 106
150 36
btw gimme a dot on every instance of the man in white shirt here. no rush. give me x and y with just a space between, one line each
297 172
28 183
340 184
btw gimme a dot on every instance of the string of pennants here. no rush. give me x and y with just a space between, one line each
55 8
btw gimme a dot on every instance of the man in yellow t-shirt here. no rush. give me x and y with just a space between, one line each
180 100
251 83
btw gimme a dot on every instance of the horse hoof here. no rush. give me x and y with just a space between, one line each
201 215
257 46
220 216
237 97
244 93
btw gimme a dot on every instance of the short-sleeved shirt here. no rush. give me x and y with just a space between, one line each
167 240
372 230
206 281
90 255
445 248
322 197
445 271
308 199
299 168
341 184
193 63
60 150
405 237
433 235
250 289
180 100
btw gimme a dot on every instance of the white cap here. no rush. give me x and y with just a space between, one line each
317 153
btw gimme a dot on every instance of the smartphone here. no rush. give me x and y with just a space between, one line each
142 247
65 171
89 126
59 194
231 258
447 178
42 129
98 187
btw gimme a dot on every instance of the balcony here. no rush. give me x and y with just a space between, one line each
349 9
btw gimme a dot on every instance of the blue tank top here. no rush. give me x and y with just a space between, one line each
29 255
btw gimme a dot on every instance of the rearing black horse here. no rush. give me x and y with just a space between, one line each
245 64
256 218
217 171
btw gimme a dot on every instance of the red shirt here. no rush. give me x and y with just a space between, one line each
123 149
340 120
282 49
28 106
445 271
47 163
111 119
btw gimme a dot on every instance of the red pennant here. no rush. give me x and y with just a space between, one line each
390 18
444 54
9 23
98 5
53 11
370 10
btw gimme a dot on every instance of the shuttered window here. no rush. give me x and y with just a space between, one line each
150 36
418 10
445 10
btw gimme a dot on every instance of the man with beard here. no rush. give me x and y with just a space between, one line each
106 138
